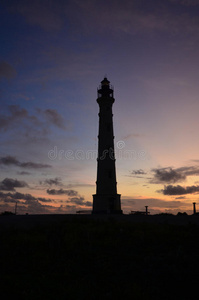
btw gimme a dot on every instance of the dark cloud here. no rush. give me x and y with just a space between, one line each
132 135
168 175
23 173
11 160
37 205
54 117
189 171
48 15
70 193
134 18
20 116
77 200
186 2
44 199
9 184
152 203
73 196
88 203
20 196
12 197
32 165
16 114
52 181
69 186
138 172
131 18
7 71
29 197
8 197
180 190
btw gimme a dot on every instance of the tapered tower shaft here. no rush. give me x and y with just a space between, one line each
106 199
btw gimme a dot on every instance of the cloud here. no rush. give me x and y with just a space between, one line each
155 205
69 186
32 165
132 135
31 204
186 2
20 117
48 15
52 181
11 160
7 71
73 196
54 117
189 171
138 172
70 193
44 199
16 114
88 203
23 173
77 200
9 184
168 175
80 201
37 205
180 190
13 197
132 18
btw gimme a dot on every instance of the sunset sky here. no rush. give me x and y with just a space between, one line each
53 56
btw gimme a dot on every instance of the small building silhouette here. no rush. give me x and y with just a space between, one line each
138 212
194 208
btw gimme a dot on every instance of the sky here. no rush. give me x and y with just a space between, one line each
53 56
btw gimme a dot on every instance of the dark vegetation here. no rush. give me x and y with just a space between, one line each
7 213
84 258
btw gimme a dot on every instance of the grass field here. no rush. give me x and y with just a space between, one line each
88 258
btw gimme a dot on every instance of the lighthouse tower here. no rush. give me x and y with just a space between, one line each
106 200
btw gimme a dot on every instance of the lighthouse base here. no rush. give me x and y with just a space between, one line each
106 204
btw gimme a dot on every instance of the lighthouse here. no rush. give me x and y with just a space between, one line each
106 200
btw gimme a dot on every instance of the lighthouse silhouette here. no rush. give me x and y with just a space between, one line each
106 200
